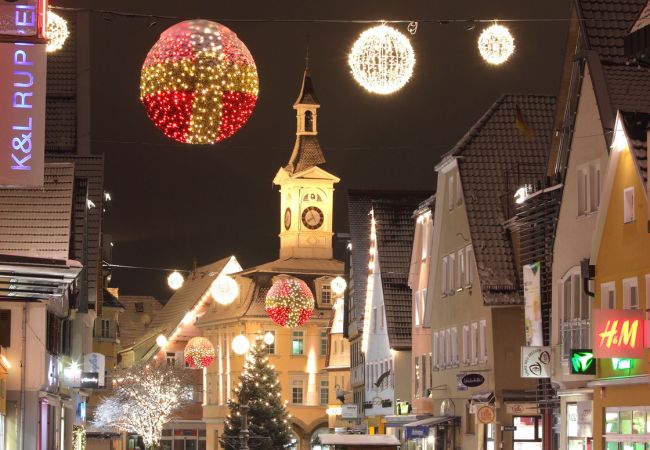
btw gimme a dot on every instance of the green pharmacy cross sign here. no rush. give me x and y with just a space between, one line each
583 362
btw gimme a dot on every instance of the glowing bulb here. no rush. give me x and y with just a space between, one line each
5 361
338 285
496 44
57 32
161 341
269 338
175 280
382 60
189 318
240 344
224 289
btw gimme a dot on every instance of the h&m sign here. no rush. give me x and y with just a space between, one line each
618 333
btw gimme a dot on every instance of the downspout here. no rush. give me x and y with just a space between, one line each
22 378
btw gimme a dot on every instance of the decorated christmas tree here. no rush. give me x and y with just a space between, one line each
259 388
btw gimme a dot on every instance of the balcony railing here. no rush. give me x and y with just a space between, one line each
576 333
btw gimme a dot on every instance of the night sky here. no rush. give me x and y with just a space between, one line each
173 203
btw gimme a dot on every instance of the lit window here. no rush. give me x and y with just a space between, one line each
628 205
298 343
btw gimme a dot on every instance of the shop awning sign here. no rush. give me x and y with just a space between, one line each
417 432
535 362
618 333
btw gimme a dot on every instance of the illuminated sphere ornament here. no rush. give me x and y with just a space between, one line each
199 353
269 338
289 302
57 32
338 285
240 344
224 289
199 82
382 60
161 340
175 280
496 44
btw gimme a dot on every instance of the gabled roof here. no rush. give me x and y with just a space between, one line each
134 322
306 153
628 87
393 213
606 23
636 130
36 221
495 158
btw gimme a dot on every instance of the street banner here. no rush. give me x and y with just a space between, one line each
535 362
533 305
22 114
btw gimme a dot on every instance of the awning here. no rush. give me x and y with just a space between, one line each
352 440
432 421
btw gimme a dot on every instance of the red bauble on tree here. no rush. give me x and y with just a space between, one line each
199 353
199 82
289 302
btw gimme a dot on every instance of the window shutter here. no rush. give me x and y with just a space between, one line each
465 344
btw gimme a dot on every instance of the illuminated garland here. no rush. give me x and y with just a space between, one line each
199 82
57 32
199 353
496 44
289 302
78 437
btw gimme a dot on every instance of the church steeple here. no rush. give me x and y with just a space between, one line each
306 190
306 151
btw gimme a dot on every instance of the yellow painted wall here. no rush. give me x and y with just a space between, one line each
624 252
3 389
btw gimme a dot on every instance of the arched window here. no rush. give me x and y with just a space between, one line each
309 121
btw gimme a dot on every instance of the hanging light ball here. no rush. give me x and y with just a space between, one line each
161 340
224 289
382 60
199 82
269 338
199 353
175 280
57 32
496 44
338 285
240 344
289 302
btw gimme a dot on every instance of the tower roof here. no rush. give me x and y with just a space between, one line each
306 153
307 94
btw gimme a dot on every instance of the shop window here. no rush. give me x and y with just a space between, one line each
298 343
489 436
627 428
528 433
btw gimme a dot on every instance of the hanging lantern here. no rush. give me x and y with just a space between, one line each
338 285
382 60
175 280
289 302
496 44
57 32
269 338
224 289
199 353
240 344
199 82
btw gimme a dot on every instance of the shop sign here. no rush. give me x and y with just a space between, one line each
417 432
72 377
618 333
402 408
96 362
23 18
583 362
621 363
522 409
89 380
22 114
472 379
485 414
349 412
509 428
535 362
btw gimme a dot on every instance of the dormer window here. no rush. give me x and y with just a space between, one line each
309 121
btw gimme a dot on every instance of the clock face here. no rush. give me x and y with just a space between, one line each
287 218
312 217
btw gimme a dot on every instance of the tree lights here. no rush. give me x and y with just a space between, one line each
289 302
382 60
199 82
199 353
57 32
496 44
224 289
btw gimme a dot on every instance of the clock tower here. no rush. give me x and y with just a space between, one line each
306 190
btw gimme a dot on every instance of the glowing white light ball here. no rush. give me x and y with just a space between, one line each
224 289
338 285
175 280
382 60
57 32
240 344
496 44
161 340
269 338
189 318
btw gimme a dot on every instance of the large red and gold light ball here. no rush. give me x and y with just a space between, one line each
199 82
289 302
199 353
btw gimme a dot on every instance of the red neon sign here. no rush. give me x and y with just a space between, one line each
618 333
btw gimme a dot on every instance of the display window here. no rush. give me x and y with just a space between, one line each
627 428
